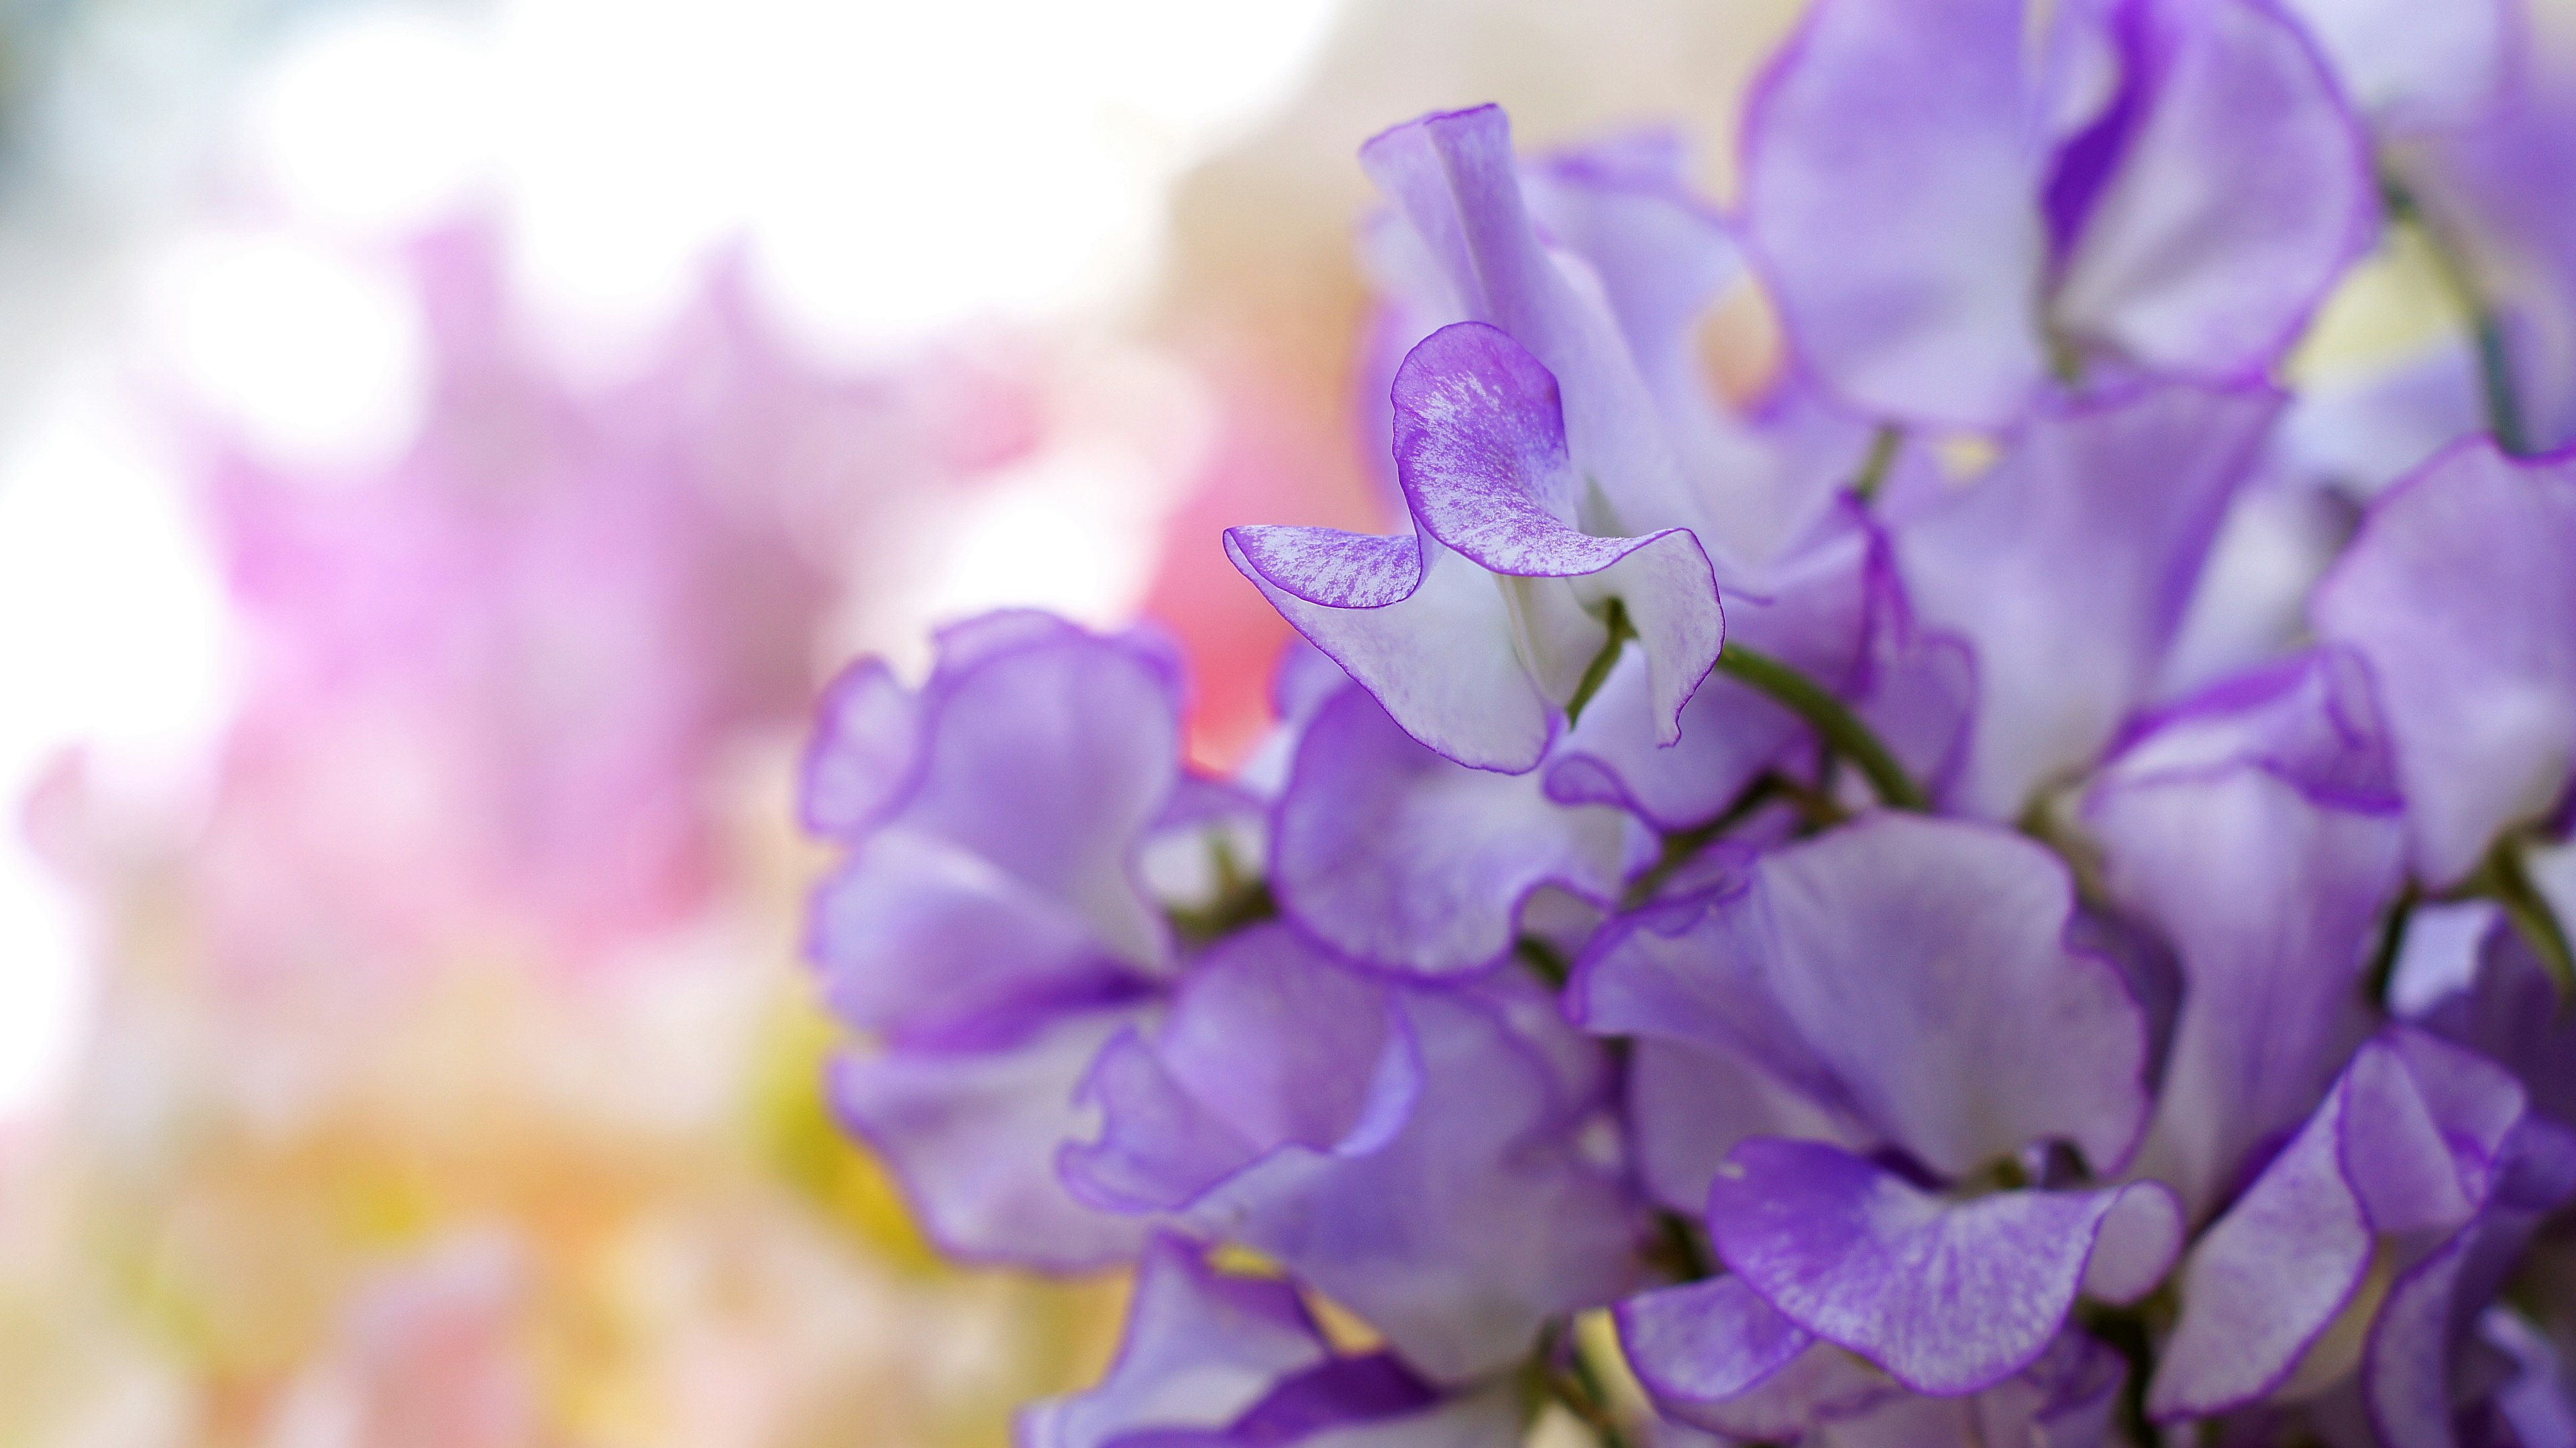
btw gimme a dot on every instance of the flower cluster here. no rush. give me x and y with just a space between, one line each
2005 892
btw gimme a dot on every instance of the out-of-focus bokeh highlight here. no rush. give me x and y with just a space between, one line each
443 447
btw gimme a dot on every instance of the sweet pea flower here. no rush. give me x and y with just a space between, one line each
988 923
1906 990
1478 631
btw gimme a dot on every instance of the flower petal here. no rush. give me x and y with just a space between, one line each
2241 193
1400 857
1200 1348
2456 594
1891 196
973 1135
1948 1296
2255 830
2067 569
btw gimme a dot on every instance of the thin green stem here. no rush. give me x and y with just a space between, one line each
2511 886
1881 457
1544 960
1832 720
1598 671
2486 328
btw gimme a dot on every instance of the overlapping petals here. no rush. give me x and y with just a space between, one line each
1216 1361
1401 857
1410 1152
1477 632
2257 829
1951 206
2067 568
2419 1151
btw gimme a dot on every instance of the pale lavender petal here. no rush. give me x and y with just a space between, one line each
1891 184
1051 758
1948 1296
1714 1355
2239 196
2468 975
1688 1109
1926 963
973 1135
1480 1220
2457 593
1812 612
2250 606
2255 829
865 744
1398 856
1268 1043
2410 66
1200 1348
919 938
2068 567
1421 628
2410 1369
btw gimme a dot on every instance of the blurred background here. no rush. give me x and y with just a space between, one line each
443 447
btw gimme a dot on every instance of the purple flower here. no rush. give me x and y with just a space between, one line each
1476 632
1906 990
988 924
2066 568
1414 1153
1946 192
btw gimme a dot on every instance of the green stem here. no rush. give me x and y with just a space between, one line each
2486 328
2392 939
1882 456
1598 671
2512 888
1832 720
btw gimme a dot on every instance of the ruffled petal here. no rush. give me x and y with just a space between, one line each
2067 569
1477 1222
1401 857
1948 1296
1812 612
2457 594
2238 197
1716 1356
973 1136
1891 182
1480 454
2070 1398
